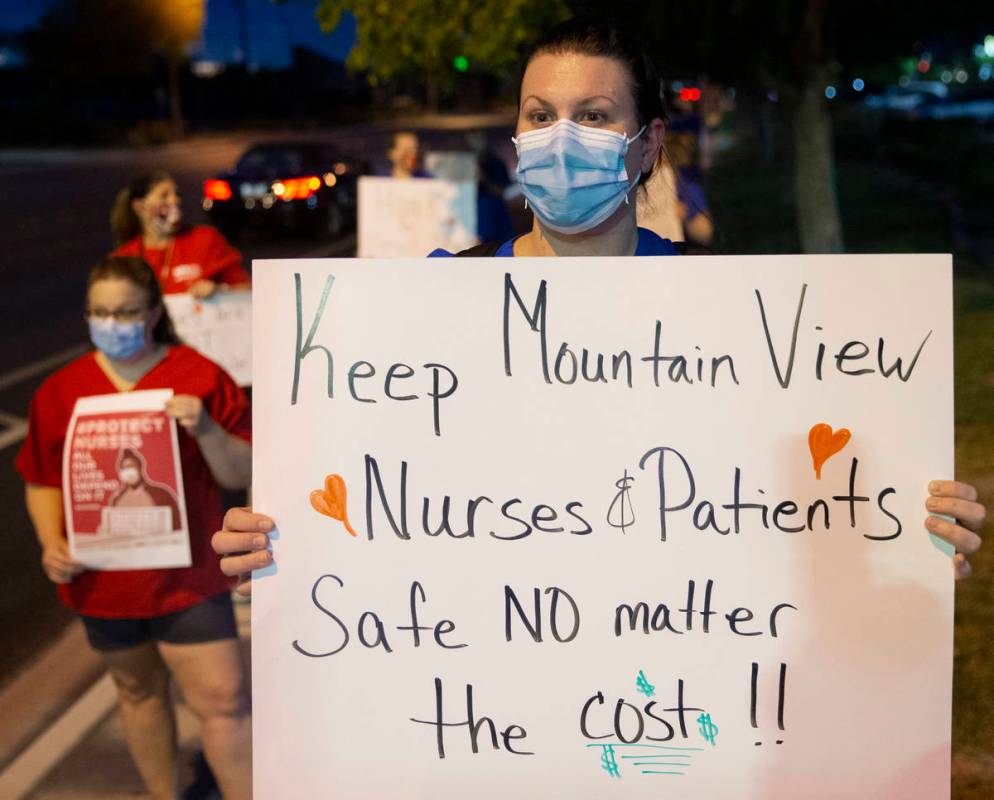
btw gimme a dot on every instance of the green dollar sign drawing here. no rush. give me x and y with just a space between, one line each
708 729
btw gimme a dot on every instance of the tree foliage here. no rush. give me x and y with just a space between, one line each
402 38
780 44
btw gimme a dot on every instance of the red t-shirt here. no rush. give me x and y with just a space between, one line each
142 592
198 252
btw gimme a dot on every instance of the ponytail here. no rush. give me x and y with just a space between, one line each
124 221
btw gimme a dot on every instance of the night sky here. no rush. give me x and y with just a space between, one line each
273 29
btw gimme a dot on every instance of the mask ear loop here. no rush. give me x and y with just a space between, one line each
636 136
639 176
514 141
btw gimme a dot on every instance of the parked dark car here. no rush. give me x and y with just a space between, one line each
907 97
974 103
287 186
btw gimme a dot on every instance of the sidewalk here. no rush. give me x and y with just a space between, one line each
82 755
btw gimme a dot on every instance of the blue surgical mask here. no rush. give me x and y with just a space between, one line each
573 176
117 340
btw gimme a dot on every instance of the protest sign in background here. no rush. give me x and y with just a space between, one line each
410 218
220 327
110 523
452 165
603 528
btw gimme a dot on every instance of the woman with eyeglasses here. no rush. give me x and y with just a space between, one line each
150 625
148 222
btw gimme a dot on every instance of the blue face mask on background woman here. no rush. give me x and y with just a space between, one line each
117 340
572 175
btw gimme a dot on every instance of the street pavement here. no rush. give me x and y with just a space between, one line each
90 757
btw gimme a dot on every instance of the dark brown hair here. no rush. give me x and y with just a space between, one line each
137 271
593 37
124 221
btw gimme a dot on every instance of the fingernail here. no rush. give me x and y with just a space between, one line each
931 504
932 523
265 525
264 558
259 542
933 486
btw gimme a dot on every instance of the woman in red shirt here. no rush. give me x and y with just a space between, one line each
147 222
150 624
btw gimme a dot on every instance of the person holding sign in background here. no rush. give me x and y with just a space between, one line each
405 156
589 95
148 223
692 203
152 624
674 202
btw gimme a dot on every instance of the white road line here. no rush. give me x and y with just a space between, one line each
17 429
28 371
27 770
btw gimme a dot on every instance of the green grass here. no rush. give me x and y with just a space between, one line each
973 696
752 204
886 207
882 210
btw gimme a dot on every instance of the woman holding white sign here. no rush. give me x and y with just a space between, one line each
152 624
589 117
148 223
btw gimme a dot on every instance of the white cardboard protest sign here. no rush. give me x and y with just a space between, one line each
410 218
452 165
123 497
220 327
610 539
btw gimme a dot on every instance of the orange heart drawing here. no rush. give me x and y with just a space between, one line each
824 444
331 501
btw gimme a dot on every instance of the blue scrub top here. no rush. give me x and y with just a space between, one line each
650 244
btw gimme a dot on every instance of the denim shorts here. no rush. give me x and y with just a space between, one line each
207 621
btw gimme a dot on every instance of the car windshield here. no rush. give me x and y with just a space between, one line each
272 161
